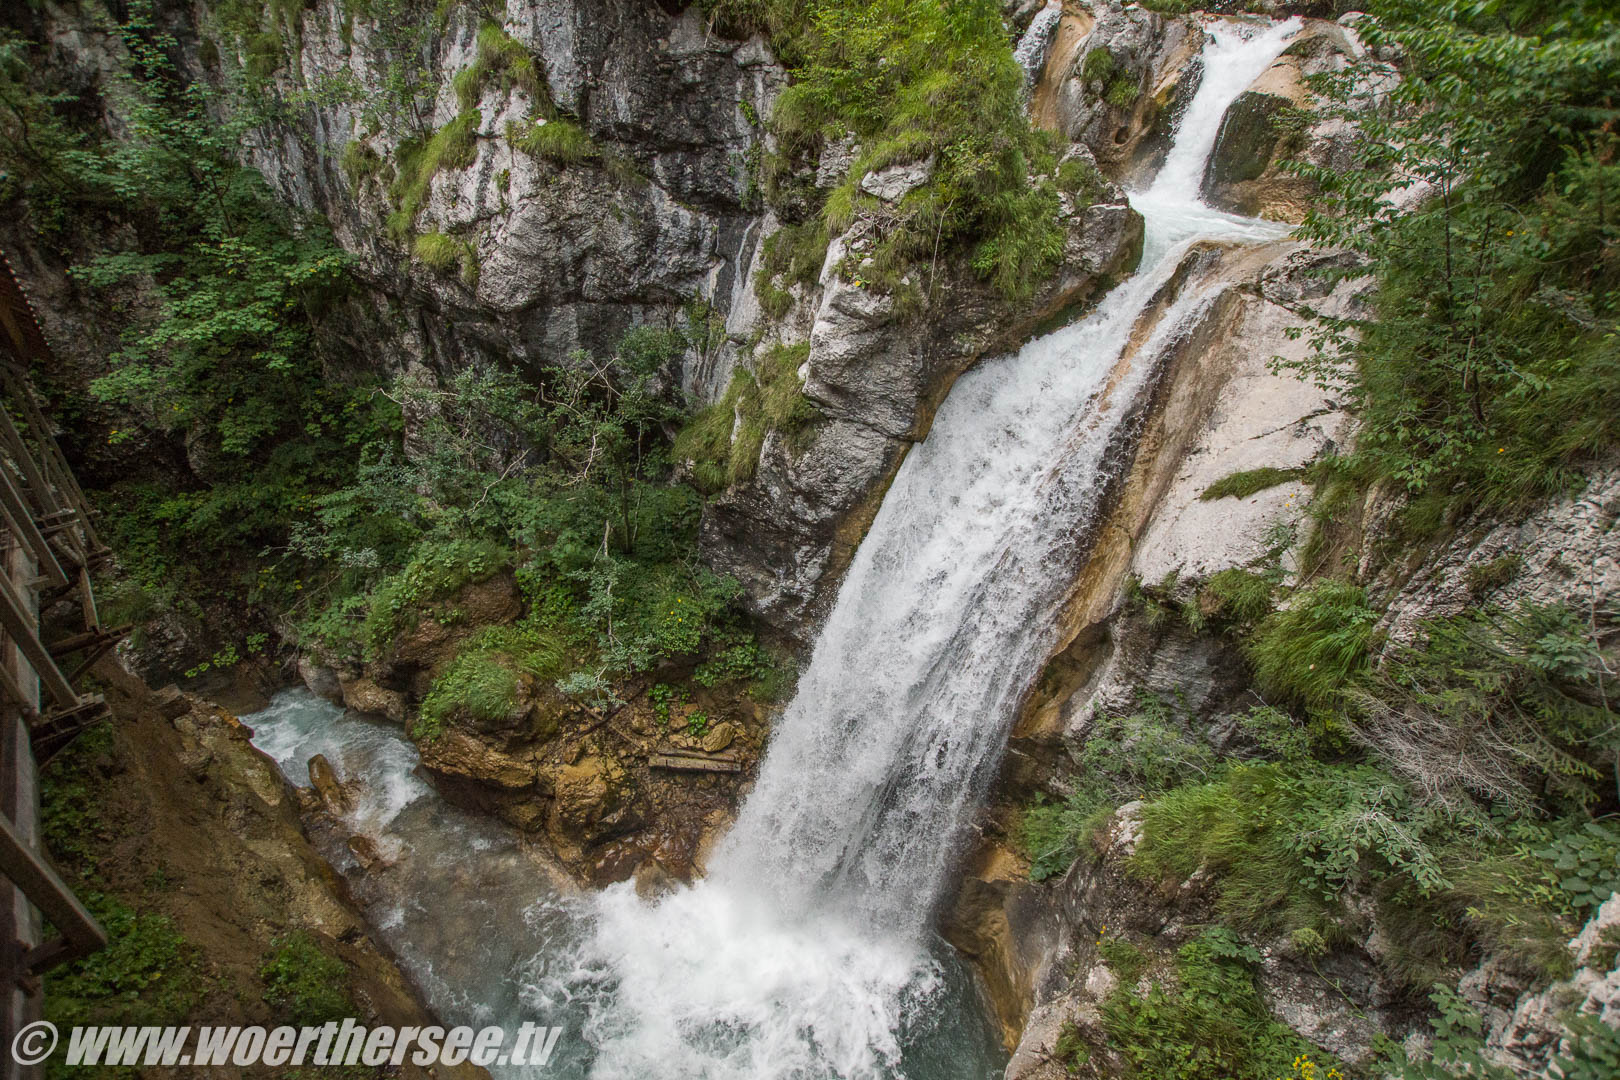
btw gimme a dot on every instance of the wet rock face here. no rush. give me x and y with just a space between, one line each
1278 120
1114 81
877 374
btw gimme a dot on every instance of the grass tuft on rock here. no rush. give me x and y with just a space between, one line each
724 441
454 146
1240 485
561 140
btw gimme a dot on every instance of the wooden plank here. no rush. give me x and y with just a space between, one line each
89 661
21 522
46 891
41 492
49 736
56 462
693 764
21 624
15 692
74 642
87 599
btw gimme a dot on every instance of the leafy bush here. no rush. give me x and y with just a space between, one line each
438 250
303 983
1207 1019
499 53
792 255
1287 843
1507 706
1587 860
1052 832
147 974
1236 595
454 146
724 441
1145 752
1486 372
435 570
913 80
485 680
1081 181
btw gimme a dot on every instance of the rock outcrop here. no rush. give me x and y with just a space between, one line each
877 374
1279 119
633 788
195 824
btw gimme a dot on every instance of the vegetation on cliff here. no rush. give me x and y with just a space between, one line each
1487 370
909 81
1460 792
293 500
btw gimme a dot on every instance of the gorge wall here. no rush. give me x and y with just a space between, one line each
646 204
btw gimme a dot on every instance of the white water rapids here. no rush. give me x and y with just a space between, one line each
808 950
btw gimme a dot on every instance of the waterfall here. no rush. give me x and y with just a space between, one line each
807 951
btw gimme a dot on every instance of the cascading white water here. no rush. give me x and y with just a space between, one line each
807 950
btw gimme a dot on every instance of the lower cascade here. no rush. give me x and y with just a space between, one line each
808 949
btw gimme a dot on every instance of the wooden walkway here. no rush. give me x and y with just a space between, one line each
48 549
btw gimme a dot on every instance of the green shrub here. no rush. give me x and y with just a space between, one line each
264 55
1236 595
1488 379
1122 93
1287 842
1240 485
742 660
1070 1048
793 255
1143 753
1081 181
1053 833
438 250
70 814
498 53
1125 959
724 440
436 570
1311 649
1207 1019
147 974
485 682
1588 863
912 80
1493 574
1099 66
1503 706
303 983
360 162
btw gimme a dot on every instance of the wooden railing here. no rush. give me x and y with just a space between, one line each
48 550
